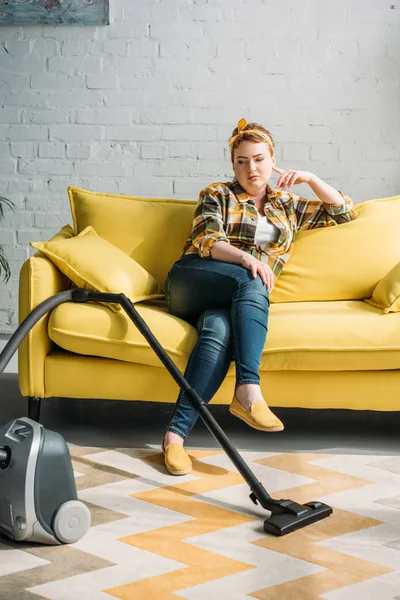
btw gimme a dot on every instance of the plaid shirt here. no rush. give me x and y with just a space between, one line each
226 213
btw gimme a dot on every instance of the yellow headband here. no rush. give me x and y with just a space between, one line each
241 125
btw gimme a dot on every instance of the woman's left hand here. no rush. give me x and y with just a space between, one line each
292 177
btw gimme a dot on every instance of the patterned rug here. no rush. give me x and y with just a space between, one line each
200 536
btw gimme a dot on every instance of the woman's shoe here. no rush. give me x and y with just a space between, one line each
260 417
177 462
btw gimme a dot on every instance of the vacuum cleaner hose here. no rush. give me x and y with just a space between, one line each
286 515
26 325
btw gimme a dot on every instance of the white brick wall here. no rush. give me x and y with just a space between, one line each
145 106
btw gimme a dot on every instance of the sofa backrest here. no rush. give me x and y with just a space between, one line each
343 262
151 231
333 263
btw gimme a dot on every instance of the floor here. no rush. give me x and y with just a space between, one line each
345 458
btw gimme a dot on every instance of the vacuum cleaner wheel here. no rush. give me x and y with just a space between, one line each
71 521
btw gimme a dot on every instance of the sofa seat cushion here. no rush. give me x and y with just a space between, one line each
347 335
93 329
303 336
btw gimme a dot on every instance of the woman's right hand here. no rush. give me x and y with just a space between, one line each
257 267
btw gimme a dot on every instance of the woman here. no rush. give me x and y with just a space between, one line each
242 236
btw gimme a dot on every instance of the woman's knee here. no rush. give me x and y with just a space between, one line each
254 287
216 323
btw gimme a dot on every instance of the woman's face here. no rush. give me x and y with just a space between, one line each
252 164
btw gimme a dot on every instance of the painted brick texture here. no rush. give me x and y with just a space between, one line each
146 105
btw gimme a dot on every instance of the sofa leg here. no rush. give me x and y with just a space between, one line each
34 408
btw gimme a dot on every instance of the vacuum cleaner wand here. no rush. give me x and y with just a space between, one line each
286 515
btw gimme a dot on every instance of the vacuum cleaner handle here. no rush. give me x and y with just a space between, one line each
258 491
81 295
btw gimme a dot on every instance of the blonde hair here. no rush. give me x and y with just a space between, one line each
250 132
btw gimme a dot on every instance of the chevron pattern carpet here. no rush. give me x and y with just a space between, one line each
199 537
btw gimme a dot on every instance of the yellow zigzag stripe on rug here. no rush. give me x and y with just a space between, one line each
326 480
341 569
203 565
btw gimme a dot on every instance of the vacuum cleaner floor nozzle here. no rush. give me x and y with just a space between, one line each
283 523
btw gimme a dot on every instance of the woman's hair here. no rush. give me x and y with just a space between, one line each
250 136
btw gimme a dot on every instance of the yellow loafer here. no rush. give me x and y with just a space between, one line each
177 462
260 417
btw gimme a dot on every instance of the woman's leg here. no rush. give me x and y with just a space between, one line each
195 284
206 369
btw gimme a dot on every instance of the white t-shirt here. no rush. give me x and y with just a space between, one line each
266 231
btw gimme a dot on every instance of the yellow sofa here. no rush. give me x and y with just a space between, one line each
326 347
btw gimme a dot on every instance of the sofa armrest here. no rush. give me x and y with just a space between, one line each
39 279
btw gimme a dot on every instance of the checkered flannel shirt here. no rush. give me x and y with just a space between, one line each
226 213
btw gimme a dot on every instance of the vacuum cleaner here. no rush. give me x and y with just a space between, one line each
38 499
27 476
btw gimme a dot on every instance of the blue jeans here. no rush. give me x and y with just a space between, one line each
229 308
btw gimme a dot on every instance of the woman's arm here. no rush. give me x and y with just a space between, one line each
326 193
332 207
228 253
208 223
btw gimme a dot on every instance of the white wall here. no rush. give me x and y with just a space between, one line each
145 106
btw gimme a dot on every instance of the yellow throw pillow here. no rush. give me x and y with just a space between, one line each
343 262
387 293
92 263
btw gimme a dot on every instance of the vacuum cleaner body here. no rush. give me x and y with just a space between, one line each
38 498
